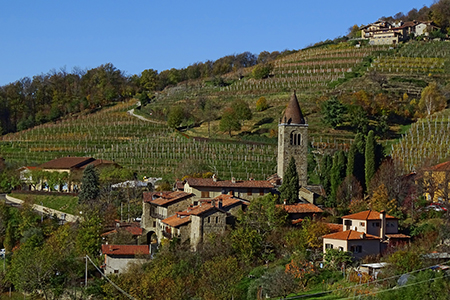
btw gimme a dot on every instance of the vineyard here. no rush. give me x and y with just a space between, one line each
431 59
148 148
427 139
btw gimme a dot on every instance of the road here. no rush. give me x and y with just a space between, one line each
39 208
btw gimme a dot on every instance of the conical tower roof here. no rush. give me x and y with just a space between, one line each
293 113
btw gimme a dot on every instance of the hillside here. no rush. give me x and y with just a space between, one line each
317 74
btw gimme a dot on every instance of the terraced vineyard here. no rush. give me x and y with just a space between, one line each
148 148
431 59
307 71
427 139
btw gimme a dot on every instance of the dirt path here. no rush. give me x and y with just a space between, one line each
131 113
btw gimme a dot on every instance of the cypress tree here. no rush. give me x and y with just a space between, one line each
90 186
290 186
325 173
370 158
337 174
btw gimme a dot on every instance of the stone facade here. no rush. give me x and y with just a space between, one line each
293 141
213 221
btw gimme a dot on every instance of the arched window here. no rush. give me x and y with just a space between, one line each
295 139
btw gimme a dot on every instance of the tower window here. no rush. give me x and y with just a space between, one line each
295 139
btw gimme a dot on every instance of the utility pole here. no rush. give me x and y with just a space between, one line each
85 273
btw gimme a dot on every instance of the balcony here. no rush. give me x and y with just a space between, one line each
157 216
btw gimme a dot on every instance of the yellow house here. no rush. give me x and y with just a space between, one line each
436 182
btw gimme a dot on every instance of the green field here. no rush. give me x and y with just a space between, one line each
64 203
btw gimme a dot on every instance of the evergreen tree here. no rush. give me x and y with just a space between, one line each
289 188
90 187
325 171
337 175
370 157
356 159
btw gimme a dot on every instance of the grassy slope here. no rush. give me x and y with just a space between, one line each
156 150
64 203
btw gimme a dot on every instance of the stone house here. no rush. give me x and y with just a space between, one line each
299 211
198 221
119 257
158 206
311 193
204 188
365 233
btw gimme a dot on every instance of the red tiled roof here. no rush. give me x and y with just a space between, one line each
164 198
445 166
125 249
67 162
179 185
301 208
227 200
177 220
209 182
335 227
350 235
367 215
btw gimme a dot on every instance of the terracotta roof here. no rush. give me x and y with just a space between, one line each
398 236
209 182
227 200
335 227
67 163
350 235
293 113
367 215
177 220
445 166
301 208
179 185
125 249
165 198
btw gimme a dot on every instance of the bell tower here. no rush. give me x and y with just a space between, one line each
293 141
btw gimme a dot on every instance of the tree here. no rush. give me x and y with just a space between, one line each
290 186
333 112
90 186
242 110
354 32
380 201
149 80
356 159
335 258
261 104
229 121
349 190
176 116
370 159
261 71
337 176
441 13
432 99
325 171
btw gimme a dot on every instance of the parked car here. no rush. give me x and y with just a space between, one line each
435 207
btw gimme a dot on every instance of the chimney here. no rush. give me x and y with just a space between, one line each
233 180
213 202
383 224
219 204
284 202
214 177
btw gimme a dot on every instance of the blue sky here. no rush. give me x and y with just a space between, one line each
38 36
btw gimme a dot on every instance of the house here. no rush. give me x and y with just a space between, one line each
365 233
212 187
158 206
132 228
119 257
196 222
311 193
300 211
387 33
435 182
73 166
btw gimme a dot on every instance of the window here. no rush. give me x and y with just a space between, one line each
356 249
261 192
154 223
116 271
341 248
217 220
205 194
295 139
209 219
249 192
362 224
348 222
377 224
328 246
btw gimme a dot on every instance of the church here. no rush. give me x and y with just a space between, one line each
293 141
